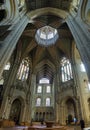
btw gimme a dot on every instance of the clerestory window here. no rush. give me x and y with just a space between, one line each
48 89
23 70
47 101
66 70
44 81
38 102
39 89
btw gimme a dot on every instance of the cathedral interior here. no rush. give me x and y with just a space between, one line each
44 61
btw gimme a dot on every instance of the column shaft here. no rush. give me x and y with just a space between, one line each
82 38
7 46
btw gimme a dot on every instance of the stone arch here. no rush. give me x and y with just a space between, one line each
71 109
47 115
43 115
40 116
85 11
60 13
88 15
20 106
11 10
36 116
68 108
15 111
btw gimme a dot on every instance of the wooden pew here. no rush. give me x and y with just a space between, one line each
7 123
25 124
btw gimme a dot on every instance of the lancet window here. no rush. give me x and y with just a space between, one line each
47 101
39 89
66 70
23 70
38 102
48 89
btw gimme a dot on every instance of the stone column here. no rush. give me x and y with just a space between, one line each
82 38
9 88
43 96
75 90
78 109
57 89
7 46
55 100
63 115
33 90
28 99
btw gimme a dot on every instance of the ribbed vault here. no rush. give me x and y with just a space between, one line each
46 59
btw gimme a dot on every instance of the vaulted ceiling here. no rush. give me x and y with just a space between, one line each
46 59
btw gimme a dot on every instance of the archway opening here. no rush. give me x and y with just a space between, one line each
15 111
71 110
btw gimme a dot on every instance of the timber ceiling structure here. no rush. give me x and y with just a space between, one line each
46 59
36 4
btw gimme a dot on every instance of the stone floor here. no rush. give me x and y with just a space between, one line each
26 128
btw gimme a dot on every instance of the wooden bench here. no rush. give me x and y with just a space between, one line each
7 123
25 124
36 123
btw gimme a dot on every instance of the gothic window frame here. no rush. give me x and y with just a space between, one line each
44 81
38 101
48 89
39 89
66 70
23 70
48 102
